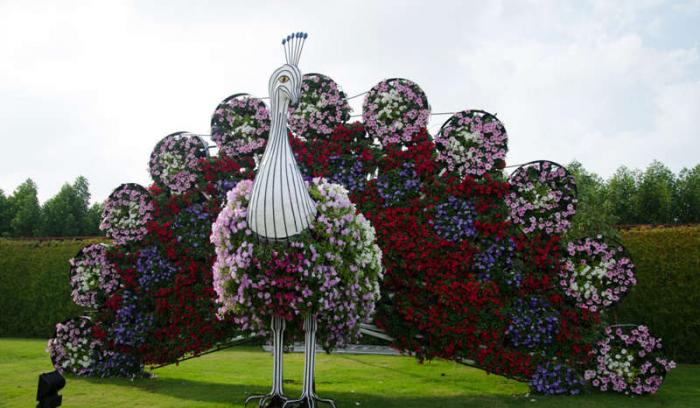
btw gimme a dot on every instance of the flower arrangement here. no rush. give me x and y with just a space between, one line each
543 197
126 212
454 219
471 143
554 378
175 160
394 110
628 360
93 278
73 349
397 185
533 323
596 275
240 126
346 157
132 322
332 270
322 107
153 269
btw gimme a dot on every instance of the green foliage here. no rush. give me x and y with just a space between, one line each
687 199
92 220
35 289
4 215
25 213
667 294
623 195
66 214
656 192
594 214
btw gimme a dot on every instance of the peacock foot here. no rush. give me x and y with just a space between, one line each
272 400
308 402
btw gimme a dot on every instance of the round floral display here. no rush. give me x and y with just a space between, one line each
240 126
332 270
126 212
93 278
596 275
394 110
175 161
322 107
542 197
628 360
471 143
74 349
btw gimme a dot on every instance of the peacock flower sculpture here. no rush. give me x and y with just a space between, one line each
291 252
474 264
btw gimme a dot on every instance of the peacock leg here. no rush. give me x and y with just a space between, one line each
276 397
308 398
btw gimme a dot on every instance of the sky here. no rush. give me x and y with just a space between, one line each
89 87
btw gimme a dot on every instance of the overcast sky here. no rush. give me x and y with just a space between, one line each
88 88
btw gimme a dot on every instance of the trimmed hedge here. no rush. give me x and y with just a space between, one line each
34 285
667 294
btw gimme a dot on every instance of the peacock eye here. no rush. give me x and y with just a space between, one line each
284 78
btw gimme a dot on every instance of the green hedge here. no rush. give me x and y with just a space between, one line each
667 295
34 286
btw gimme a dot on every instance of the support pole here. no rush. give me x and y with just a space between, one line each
308 398
276 397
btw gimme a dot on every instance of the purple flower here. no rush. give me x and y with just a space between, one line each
454 220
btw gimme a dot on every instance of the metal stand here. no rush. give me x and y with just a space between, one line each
276 397
308 398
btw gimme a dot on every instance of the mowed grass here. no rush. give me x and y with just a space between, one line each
225 378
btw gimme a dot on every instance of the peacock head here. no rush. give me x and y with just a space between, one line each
286 80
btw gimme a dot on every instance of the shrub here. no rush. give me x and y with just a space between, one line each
35 291
667 295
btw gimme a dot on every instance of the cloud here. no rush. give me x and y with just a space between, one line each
88 88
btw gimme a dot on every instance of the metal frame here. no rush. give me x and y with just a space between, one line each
276 397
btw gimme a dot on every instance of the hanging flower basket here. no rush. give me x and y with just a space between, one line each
394 110
93 278
628 360
175 161
240 126
542 198
126 212
471 142
322 107
596 275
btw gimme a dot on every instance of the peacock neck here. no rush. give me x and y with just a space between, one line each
279 105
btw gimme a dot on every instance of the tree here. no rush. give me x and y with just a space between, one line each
4 215
25 212
656 192
66 214
623 195
94 216
687 198
593 212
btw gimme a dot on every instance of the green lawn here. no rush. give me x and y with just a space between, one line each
225 378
